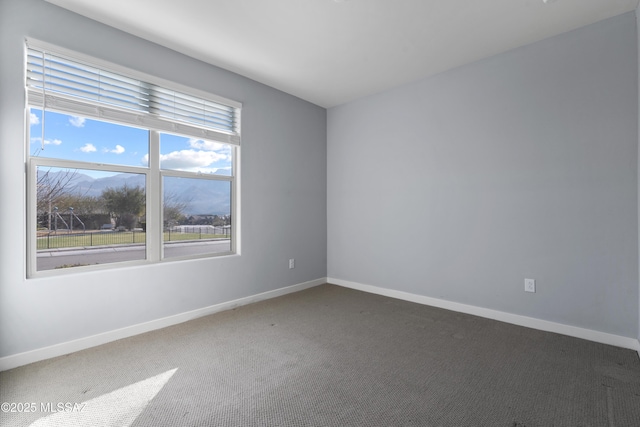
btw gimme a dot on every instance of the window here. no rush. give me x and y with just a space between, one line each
125 168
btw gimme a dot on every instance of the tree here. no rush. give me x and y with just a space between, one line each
173 208
126 204
51 188
89 209
82 205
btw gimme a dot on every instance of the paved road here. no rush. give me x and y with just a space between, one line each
48 260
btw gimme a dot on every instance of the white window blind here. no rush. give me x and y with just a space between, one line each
57 82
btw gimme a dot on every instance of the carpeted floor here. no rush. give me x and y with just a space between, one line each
331 356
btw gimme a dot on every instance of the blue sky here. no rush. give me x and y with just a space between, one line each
76 138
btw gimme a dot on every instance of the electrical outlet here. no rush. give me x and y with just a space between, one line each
292 263
529 285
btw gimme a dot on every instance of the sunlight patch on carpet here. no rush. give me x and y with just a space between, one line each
118 408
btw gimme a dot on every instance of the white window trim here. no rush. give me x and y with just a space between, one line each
153 174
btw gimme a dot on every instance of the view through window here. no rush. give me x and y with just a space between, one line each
116 186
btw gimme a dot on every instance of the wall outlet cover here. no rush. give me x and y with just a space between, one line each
529 285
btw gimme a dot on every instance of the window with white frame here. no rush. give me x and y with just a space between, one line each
124 167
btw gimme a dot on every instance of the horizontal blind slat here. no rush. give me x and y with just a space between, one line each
208 123
184 98
62 84
198 104
192 110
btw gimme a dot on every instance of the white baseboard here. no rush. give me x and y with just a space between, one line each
516 319
20 359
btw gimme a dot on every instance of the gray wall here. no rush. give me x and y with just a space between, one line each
522 165
638 34
283 186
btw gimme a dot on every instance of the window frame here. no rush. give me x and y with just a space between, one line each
154 175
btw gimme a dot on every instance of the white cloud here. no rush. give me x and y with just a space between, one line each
190 160
208 145
118 150
88 148
33 119
77 121
38 140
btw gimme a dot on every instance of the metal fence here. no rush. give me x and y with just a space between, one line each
200 229
108 238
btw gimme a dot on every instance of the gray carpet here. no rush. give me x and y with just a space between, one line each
330 356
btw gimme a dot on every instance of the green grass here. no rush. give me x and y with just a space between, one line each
70 266
112 238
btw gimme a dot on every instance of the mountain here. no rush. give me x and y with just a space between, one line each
201 196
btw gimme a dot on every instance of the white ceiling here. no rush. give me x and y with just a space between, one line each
333 51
